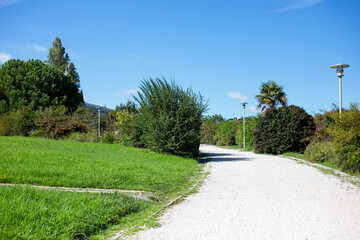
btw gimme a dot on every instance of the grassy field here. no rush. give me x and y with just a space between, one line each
90 165
29 213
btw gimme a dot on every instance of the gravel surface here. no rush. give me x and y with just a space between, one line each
250 196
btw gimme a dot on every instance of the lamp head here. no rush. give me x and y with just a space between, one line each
340 68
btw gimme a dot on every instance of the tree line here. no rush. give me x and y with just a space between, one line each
325 138
44 99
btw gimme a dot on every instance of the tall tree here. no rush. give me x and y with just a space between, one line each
60 59
271 95
36 84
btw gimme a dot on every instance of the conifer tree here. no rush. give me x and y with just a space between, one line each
60 59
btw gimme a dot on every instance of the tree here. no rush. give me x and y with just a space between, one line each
59 59
271 95
36 84
210 125
170 117
285 129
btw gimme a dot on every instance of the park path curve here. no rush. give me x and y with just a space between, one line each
251 196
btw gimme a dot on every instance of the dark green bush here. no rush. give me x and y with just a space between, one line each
225 134
25 120
109 138
170 117
285 129
36 84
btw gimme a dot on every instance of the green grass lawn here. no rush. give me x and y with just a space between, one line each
91 165
30 213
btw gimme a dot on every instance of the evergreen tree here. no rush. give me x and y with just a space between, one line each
59 59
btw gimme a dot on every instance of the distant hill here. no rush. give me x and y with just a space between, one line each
103 109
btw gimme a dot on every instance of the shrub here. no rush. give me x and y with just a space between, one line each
87 117
285 129
345 131
7 125
90 136
325 151
209 128
25 119
109 138
226 133
170 117
59 127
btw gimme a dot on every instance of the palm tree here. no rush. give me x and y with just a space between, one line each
271 95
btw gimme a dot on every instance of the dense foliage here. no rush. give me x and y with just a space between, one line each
209 128
337 139
36 84
286 129
59 59
170 117
226 132
250 124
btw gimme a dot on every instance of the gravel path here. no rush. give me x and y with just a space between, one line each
250 196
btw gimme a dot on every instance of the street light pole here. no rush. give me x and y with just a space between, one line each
340 69
244 105
99 109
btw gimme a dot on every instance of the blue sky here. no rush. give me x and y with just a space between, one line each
223 49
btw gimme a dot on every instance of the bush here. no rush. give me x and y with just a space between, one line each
7 125
22 122
59 127
225 134
25 120
286 129
345 132
324 151
90 136
109 138
170 117
209 128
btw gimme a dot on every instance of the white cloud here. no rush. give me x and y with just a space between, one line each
131 91
4 57
39 48
236 95
299 4
126 92
5 3
254 110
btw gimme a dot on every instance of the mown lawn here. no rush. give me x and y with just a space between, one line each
91 165
30 213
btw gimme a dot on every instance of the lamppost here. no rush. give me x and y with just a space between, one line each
340 69
99 109
244 105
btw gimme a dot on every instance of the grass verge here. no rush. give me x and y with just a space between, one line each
90 165
30 213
